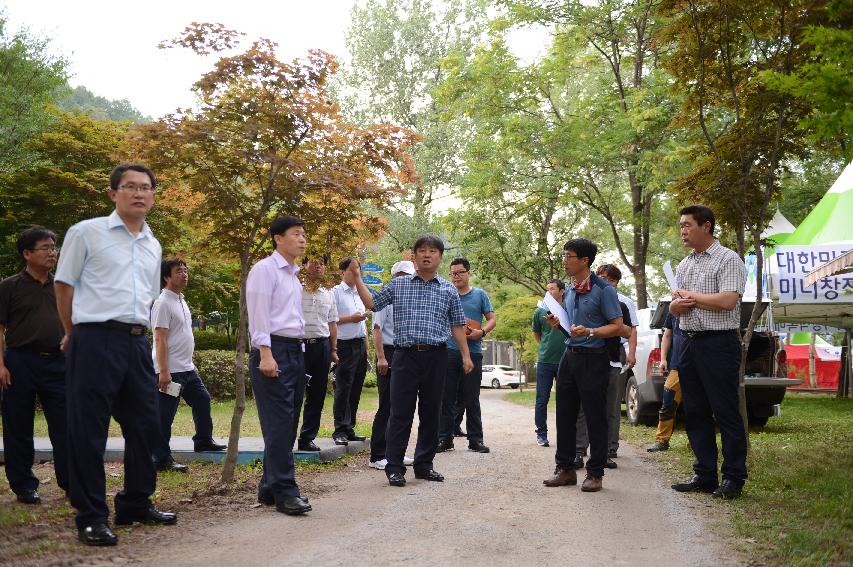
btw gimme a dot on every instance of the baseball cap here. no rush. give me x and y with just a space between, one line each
403 266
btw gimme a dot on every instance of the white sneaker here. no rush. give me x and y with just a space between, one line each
408 461
379 465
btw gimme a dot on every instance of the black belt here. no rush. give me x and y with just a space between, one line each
387 346
118 326
315 341
38 353
422 347
586 350
288 340
351 340
700 334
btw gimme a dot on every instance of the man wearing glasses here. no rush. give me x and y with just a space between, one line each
108 277
173 361
477 306
32 365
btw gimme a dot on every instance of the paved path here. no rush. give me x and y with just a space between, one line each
492 510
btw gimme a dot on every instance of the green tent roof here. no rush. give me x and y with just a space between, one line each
831 221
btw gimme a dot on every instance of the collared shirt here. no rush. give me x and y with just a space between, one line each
475 304
319 309
349 302
424 311
634 321
384 321
274 300
171 312
592 310
28 311
115 275
714 270
552 343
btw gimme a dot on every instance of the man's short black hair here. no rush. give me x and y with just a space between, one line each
166 268
561 285
325 258
701 214
344 264
281 224
429 240
461 262
30 237
583 248
118 171
610 271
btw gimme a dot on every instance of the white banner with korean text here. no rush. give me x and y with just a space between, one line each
794 262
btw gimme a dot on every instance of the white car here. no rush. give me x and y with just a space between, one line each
497 376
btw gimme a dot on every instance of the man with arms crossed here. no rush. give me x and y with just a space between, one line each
107 279
710 281
173 361
427 310
477 306
276 364
32 365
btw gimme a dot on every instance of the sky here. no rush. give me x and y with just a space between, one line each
112 46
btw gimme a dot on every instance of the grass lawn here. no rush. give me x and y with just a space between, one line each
249 426
797 507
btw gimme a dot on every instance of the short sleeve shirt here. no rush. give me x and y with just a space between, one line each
592 309
384 321
475 304
319 309
28 311
552 344
171 312
349 302
714 270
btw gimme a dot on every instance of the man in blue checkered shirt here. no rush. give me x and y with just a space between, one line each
427 310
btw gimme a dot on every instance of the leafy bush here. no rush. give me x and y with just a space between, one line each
211 340
216 368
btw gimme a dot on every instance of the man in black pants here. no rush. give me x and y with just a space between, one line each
582 377
711 281
352 351
32 365
108 277
427 310
321 338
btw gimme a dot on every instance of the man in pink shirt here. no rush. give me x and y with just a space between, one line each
276 365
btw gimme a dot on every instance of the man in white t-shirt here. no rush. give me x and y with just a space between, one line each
173 361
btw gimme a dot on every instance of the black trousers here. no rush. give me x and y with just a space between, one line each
416 379
33 377
582 380
110 372
318 358
198 398
278 401
349 380
453 404
708 373
380 420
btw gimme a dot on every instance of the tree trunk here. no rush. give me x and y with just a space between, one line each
239 378
812 363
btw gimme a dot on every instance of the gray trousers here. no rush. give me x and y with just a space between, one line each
615 385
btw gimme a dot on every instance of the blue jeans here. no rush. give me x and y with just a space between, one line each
546 372
197 397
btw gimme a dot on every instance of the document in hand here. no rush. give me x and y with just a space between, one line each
557 310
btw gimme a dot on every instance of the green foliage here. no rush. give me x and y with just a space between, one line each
216 368
83 101
514 325
213 340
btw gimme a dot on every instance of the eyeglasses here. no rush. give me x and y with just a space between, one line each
134 188
458 273
49 249
567 255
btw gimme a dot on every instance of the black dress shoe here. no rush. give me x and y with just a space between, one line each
728 490
610 463
695 484
444 445
171 465
430 475
28 497
396 479
578 464
355 437
308 446
208 446
99 534
266 500
612 453
293 506
477 447
150 516
340 440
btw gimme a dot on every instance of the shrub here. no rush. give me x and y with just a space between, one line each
216 368
211 340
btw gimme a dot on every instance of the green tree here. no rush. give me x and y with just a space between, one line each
514 325
82 100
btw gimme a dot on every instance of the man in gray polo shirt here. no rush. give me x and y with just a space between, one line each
173 361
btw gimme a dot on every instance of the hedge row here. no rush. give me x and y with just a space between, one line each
212 340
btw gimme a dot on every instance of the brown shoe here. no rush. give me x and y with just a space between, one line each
591 484
562 477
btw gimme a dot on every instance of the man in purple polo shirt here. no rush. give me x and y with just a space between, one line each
276 365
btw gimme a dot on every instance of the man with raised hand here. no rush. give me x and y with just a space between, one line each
427 310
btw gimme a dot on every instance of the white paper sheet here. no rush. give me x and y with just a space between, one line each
557 310
670 276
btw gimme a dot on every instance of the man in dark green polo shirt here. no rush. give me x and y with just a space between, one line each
551 348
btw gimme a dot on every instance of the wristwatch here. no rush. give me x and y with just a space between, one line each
591 333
